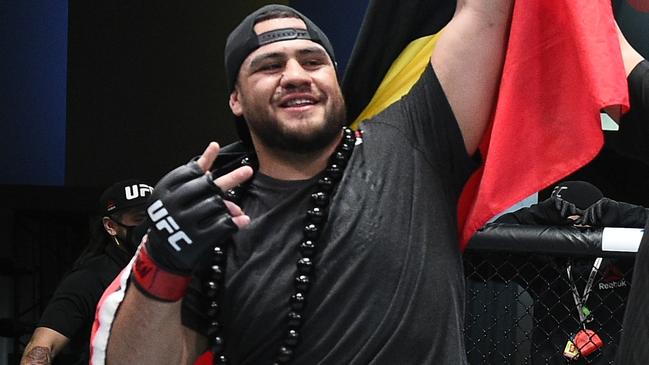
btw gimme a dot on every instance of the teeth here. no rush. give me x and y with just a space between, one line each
298 102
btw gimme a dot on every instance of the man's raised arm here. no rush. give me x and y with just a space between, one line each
468 61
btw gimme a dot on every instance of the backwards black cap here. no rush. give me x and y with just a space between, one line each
243 40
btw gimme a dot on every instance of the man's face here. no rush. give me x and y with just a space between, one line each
288 93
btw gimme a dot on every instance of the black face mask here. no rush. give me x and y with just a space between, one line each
133 236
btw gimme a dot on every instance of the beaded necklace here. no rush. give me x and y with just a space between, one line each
315 219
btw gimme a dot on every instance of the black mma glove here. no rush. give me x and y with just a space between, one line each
551 211
565 208
610 213
186 215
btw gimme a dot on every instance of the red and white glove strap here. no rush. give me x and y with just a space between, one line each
156 282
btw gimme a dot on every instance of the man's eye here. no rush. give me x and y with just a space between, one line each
269 67
313 63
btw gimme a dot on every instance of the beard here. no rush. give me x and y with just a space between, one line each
273 134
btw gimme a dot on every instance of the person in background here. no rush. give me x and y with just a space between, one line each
68 317
634 140
602 284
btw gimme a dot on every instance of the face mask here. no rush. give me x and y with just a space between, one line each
133 236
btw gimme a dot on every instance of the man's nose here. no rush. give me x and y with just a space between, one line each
294 75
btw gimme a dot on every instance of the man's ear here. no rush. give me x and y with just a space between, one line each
235 103
109 226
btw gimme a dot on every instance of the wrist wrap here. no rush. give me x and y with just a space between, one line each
156 282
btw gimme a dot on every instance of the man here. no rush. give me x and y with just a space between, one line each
378 277
68 317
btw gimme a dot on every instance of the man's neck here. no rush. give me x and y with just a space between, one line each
284 165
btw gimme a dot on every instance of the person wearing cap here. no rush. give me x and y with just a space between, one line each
67 319
602 283
347 252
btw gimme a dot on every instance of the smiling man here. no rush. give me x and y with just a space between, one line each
329 246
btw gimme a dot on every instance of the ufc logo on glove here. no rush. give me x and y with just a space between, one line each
164 222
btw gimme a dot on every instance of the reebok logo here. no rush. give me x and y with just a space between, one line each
613 285
164 222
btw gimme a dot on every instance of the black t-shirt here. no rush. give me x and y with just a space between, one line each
71 310
389 284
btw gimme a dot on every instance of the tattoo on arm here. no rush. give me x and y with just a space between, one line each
39 355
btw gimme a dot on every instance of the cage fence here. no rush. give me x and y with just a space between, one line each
539 295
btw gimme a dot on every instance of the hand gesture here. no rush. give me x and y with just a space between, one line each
187 214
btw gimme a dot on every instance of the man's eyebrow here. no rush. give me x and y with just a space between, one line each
312 51
281 55
266 56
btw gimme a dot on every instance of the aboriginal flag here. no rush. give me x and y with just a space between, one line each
388 28
563 65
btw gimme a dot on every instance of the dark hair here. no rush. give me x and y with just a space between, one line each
99 239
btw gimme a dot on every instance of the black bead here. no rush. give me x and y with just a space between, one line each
232 194
320 198
326 183
217 345
211 289
285 354
218 255
213 328
304 265
339 158
311 231
215 325
220 359
335 171
316 215
347 147
292 338
297 301
302 283
212 331
213 309
307 248
294 320
246 161
217 272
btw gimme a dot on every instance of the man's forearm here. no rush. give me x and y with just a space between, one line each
36 355
43 346
147 331
468 61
